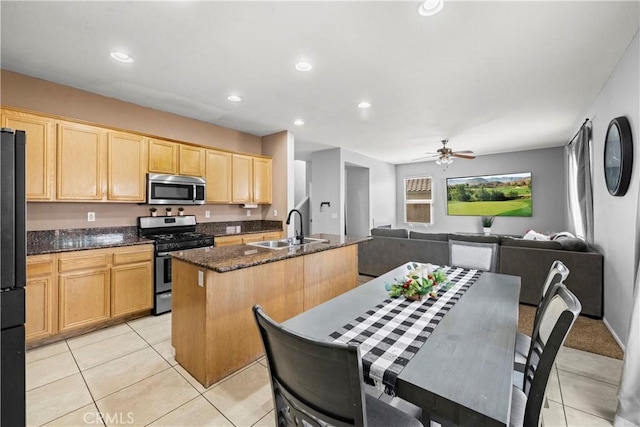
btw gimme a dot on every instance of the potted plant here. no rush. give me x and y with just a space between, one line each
181 211
487 222
168 211
153 211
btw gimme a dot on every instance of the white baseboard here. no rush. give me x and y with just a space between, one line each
615 336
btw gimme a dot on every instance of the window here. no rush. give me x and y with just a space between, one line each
417 200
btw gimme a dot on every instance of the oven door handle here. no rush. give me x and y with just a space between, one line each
163 254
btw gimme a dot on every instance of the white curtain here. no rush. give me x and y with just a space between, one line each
580 199
628 413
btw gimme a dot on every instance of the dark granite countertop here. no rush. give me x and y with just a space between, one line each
229 258
53 241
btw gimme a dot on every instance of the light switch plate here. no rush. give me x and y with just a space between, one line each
91 216
275 212
207 214
334 216
201 278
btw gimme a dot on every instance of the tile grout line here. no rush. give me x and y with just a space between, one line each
86 386
101 340
590 378
564 412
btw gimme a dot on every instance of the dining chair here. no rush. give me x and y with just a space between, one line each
320 382
476 255
556 321
558 273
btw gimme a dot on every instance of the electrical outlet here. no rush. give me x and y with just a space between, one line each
275 212
248 212
334 216
207 214
91 216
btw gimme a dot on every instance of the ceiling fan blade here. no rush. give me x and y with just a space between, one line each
463 156
464 152
432 156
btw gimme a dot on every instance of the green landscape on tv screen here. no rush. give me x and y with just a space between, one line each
490 195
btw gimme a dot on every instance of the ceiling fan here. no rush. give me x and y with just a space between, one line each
445 154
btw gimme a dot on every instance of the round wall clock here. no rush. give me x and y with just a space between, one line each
618 156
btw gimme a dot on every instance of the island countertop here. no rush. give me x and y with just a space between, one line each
230 258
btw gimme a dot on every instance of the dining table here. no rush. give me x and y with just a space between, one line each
462 374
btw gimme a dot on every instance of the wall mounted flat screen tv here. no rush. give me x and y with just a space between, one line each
490 195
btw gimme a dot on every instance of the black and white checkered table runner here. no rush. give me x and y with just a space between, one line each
390 334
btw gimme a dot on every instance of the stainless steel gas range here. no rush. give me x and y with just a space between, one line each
170 233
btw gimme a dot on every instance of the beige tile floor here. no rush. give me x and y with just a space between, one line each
127 375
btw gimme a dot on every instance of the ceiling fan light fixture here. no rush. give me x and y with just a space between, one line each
430 7
234 98
364 104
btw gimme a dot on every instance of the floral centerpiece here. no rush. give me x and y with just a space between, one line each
421 280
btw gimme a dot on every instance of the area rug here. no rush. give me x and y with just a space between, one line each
587 334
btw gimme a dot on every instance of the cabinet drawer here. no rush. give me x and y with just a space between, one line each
39 266
132 257
83 262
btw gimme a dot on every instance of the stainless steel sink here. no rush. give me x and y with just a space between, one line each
286 243
271 244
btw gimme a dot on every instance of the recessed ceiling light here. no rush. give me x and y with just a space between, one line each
234 98
430 7
121 56
303 66
364 104
298 122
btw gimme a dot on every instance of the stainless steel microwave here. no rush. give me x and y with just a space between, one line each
175 190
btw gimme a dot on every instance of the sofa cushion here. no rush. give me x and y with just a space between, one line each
477 239
390 232
440 237
569 244
537 244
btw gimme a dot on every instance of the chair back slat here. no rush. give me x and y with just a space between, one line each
556 321
318 382
475 255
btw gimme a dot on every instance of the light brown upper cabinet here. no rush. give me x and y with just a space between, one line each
81 163
191 160
218 176
262 178
163 156
251 179
127 163
41 152
242 189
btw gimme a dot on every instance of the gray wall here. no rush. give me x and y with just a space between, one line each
328 184
357 201
548 182
616 219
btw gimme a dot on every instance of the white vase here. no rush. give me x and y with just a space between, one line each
487 230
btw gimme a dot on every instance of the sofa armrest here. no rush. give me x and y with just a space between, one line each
382 254
532 265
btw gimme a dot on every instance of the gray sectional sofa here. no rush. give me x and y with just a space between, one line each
529 259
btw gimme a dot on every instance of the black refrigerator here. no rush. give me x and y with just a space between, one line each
13 259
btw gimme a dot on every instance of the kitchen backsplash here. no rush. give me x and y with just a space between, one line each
62 216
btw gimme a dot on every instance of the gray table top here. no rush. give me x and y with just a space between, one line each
463 372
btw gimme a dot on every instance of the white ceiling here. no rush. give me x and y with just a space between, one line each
490 76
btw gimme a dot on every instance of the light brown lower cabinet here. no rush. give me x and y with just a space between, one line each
84 298
82 289
41 293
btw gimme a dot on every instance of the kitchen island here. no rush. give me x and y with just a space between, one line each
213 330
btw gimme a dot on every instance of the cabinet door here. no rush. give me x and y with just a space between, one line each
228 241
40 298
262 180
127 166
41 152
81 162
84 298
191 160
218 176
242 169
163 156
131 289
